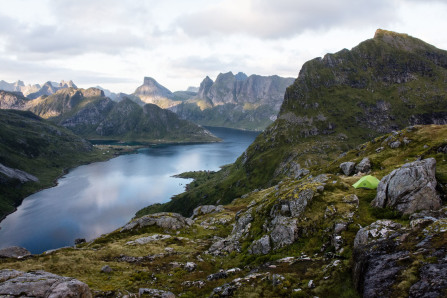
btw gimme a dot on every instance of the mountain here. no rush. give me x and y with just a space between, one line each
110 94
152 92
92 115
33 153
235 101
19 86
50 88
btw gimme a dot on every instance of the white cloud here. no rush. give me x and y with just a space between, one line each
116 43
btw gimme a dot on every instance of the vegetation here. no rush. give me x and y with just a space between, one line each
36 146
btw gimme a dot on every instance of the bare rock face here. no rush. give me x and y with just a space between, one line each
410 188
14 252
17 174
15 283
348 168
261 246
166 220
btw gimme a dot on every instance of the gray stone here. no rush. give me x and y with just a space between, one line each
348 168
432 282
14 252
155 293
218 275
206 209
410 188
377 231
284 231
260 246
395 144
364 166
190 266
79 241
166 220
40 284
144 240
106 269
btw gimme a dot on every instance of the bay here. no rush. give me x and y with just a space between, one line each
98 198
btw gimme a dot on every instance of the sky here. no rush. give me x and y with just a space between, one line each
116 43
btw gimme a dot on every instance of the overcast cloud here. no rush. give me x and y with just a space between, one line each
116 43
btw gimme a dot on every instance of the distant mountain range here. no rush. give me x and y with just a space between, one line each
236 101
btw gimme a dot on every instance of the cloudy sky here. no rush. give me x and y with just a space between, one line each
115 43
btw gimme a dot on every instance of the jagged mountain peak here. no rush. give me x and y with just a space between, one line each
69 84
240 76
151 87
401 41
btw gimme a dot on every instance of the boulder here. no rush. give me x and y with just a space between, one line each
165 220
260 246
155 293
106 269
14 252
206 209
348 168
190 266
284 231
40 284
144 240
364 166
410 188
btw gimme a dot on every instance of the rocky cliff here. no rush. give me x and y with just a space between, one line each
12 100
236 101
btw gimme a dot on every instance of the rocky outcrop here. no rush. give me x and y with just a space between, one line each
15 283
10 100
260 246
155 293
17 174
410 188
206 209
165 220
14 252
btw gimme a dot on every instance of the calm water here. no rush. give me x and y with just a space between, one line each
98 198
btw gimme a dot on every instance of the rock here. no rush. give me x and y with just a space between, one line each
223 246
190 266
155 293
432 282
377 231
410 188
380 149
206 209
106 269
277 279
166 220
395 144
284 232
218 275
260 246
14 252
348 168
17 174
144 240
40 284
311 284
364 166
79 241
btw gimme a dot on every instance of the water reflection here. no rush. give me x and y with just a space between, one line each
95 199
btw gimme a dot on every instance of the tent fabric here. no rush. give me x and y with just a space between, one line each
368 182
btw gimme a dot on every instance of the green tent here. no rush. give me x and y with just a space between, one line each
368 182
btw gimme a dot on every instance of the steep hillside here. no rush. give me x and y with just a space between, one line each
33 153
339 101
236 101
92 115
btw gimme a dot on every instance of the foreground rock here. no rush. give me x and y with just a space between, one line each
165 220
14 252
15 283
348 168
410 188
206 209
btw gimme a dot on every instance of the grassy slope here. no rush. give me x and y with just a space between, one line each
315 234
40 148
